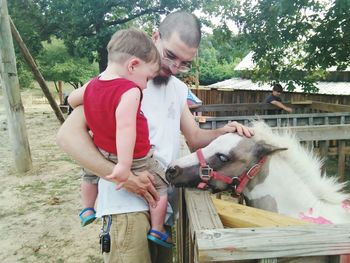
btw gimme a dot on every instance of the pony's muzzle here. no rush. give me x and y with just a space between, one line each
171 173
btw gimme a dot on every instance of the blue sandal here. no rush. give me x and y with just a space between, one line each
87 219
161 240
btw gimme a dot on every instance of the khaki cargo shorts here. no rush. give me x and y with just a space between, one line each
147 163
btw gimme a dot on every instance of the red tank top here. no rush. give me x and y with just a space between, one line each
101 100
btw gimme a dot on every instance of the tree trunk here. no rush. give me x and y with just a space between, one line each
103 55
12 96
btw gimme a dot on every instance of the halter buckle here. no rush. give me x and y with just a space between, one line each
205 172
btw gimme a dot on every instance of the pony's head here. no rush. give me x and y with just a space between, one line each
228 156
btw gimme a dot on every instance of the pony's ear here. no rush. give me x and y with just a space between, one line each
263 149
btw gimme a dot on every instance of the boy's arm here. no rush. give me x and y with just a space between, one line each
125 116
76 97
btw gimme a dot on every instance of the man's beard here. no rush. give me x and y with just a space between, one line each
160 80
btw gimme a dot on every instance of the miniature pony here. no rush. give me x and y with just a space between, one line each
272 170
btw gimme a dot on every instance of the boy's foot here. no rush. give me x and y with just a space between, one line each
162 239
87 216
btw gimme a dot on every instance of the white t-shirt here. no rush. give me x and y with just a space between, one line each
162 106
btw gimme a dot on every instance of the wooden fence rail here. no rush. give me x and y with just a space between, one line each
204 238
282 120
247 109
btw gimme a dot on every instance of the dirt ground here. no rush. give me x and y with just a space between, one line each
39 209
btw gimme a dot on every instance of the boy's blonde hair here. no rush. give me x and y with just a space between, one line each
132 42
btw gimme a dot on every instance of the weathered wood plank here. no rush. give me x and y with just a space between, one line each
321 133
329 107
240 108
341 160
201 215
201 211
238 216
280 120
256 243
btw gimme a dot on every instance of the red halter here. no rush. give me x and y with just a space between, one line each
206 173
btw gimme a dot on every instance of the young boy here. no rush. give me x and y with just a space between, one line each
112 110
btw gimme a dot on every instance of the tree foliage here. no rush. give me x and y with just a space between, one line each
34 29
219 53
87 25
57 64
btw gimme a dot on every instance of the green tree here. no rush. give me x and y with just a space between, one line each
86 25
57 64
34 29
219 53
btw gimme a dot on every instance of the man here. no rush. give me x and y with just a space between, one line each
164 105
275 98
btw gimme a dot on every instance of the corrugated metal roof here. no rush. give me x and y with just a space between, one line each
329 88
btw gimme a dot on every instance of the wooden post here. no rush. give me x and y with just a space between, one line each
341 160
39 78
12 96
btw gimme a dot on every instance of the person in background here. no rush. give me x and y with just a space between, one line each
275 98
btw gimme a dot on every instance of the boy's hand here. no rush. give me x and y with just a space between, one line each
119 175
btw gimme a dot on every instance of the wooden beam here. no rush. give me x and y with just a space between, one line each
201 215
237 216
12 95
330 107
255 243
39 78
320 132
201 211
341 160
284 120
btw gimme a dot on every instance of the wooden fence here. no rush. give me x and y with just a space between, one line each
248 109
272 238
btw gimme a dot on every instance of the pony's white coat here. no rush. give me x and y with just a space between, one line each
295 180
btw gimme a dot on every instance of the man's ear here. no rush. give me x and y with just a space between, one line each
133 62
155 36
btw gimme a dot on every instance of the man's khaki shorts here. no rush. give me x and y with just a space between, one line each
129 243
138 165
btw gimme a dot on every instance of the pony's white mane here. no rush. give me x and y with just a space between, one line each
304 162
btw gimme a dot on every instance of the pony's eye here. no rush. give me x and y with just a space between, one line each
222 157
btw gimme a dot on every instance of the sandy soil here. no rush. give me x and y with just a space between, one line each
39 209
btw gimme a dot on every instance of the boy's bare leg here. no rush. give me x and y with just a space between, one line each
88 195
158 216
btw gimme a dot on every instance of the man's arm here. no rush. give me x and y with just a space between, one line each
281 105
74 139
197 137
